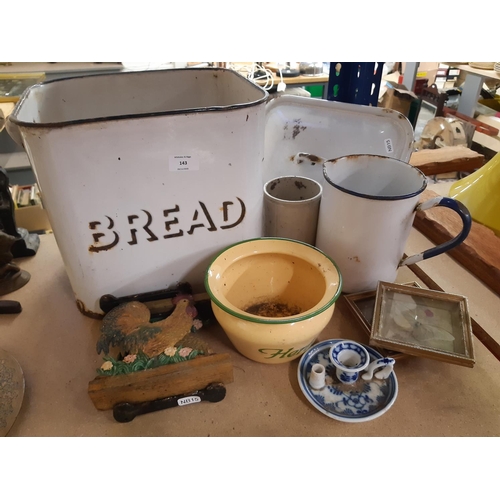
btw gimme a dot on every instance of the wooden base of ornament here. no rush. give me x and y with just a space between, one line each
148 386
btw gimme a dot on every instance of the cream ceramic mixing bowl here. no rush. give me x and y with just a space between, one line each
272 296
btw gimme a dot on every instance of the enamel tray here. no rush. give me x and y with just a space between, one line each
329 129
359 402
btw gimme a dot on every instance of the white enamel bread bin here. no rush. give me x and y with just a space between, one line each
146 176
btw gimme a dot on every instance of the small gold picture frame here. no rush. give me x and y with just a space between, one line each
423 322
363 305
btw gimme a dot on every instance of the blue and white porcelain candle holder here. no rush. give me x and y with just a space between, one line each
349 358
368 398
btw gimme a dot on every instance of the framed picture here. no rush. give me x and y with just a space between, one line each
362 306
423 322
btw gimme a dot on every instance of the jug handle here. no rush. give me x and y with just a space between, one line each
456 206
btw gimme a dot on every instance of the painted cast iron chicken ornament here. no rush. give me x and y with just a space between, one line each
138 380
128 326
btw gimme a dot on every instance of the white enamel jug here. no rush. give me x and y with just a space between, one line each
366 215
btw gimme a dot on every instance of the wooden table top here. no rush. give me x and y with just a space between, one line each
55 346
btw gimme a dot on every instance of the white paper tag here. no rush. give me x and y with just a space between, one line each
388 146
183 163
188 400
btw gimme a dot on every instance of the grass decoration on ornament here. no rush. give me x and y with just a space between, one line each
138 362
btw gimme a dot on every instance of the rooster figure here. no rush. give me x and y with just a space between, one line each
128 325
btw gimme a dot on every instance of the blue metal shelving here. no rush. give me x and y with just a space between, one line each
355 82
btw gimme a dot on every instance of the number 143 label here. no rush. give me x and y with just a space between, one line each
183 163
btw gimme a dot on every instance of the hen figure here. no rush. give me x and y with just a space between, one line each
128 325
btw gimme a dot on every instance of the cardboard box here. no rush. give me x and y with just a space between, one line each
33 218
397 97
425 70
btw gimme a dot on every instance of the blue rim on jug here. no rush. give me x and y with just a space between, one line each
370 196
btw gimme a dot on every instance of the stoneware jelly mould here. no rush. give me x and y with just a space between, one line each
360 401
273 296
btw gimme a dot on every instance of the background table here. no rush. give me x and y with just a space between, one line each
300 81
